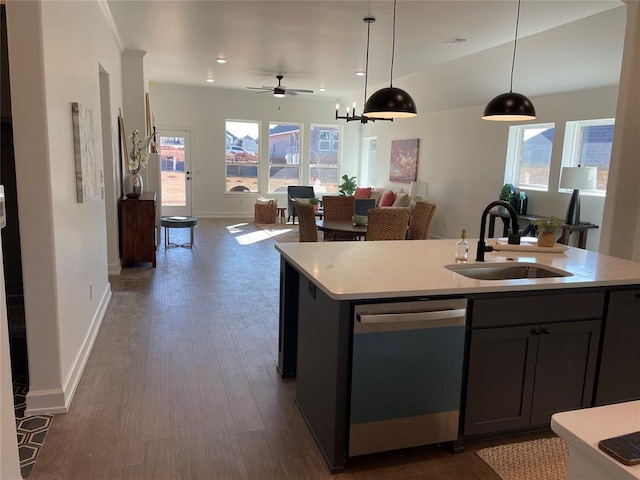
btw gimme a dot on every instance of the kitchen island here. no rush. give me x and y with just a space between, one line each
531 346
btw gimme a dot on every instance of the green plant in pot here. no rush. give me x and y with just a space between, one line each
348 185
508 194
546 228
315 202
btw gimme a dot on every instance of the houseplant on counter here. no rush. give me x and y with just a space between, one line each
547 226
348 185
138 159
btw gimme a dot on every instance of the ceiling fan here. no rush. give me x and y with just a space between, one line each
280 90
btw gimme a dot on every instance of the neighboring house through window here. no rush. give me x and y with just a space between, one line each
324 158
588 143
284 156
529 156
242 159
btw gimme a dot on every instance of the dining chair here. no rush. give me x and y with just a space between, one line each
307 222
388 223
420 222
338 207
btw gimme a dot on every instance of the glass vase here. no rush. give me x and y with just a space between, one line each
133 185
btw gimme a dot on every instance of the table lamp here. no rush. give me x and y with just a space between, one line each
419 189
576 179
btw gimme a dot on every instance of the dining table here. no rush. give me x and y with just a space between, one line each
342 227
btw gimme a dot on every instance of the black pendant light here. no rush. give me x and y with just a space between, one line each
351 115
510 107
390 102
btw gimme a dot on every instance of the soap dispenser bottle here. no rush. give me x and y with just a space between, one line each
462 248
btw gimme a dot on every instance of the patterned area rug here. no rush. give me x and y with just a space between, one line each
31 430
543 459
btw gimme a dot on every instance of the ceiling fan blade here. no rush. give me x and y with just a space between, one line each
290 92
299 90
259 88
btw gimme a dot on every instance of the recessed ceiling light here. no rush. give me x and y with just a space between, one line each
210 80
360 73
322 89
455 41
221 60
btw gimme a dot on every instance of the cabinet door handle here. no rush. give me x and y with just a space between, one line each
546 331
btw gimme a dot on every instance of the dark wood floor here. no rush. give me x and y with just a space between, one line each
182 380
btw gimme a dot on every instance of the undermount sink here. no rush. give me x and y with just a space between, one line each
503 271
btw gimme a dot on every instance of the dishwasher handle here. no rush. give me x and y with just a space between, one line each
411 316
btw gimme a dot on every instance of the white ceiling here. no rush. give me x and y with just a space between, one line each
322 43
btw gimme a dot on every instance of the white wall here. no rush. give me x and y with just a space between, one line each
203 111
55 52
463 158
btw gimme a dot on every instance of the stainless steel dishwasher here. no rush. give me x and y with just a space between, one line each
406 374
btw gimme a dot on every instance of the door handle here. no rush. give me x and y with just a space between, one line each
411 317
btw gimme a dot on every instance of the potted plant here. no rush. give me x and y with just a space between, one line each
315 202
547 226
507 194
348 185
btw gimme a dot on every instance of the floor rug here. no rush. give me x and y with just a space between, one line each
543 459
281 232
31 431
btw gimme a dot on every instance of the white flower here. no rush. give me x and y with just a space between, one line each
139 153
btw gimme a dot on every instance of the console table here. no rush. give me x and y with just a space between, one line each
583 228
138 229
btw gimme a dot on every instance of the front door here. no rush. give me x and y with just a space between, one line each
175 168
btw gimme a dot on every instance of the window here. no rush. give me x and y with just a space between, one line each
529 156
324 158
368 162
588 143
242 158
284 156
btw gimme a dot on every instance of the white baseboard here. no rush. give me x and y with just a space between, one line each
46 402
114 269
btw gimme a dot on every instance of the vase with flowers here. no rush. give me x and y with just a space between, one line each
138 159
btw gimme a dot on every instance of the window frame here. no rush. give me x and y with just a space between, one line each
297 143
258 156
515 145
572 147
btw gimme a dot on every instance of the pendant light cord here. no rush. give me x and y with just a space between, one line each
393 41
366 65
515 44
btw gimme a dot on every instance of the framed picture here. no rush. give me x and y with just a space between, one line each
86 184
404 160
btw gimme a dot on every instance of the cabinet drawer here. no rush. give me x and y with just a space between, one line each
535 309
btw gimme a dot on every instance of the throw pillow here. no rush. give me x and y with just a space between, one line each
362 192
376 194
387 199
401 200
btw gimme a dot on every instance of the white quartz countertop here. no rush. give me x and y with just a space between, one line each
584 428
369 270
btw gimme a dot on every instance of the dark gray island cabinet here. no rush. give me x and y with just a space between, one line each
531 348
529 357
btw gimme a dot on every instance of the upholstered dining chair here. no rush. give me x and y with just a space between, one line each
420 222
307 222
388 223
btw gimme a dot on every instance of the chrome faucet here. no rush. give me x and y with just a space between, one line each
515 229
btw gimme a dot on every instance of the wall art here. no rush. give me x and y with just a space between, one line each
84 149
404 160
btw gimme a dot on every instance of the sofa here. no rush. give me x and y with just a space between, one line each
385 197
